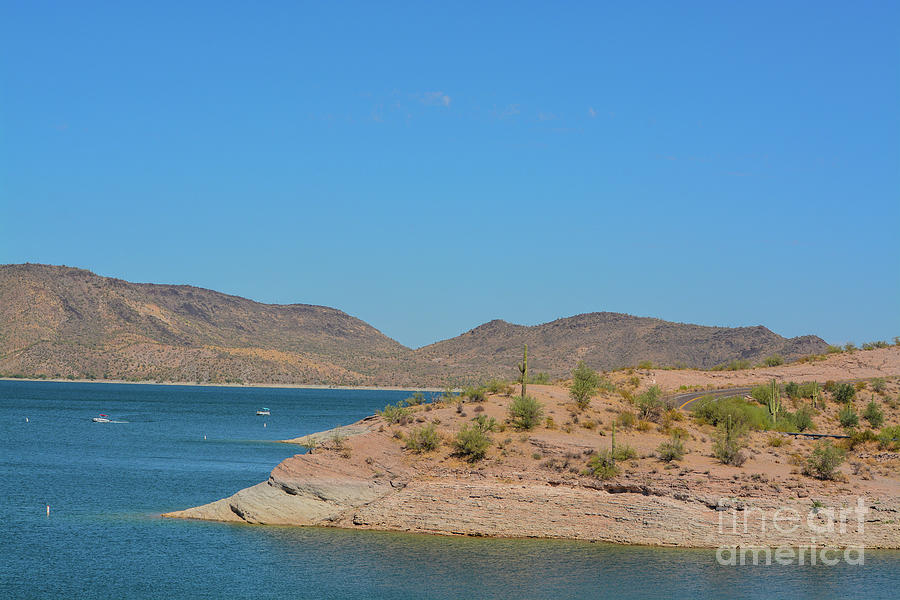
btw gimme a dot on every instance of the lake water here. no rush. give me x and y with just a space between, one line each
107 483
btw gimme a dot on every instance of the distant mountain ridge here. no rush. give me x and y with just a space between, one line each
67 322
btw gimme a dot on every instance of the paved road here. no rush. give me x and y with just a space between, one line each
683 401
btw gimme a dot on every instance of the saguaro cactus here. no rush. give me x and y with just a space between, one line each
523 369
815 394
774 403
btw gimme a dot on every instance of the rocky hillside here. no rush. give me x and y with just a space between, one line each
59 321
612 340
65 322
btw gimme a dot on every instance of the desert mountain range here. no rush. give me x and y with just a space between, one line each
59 321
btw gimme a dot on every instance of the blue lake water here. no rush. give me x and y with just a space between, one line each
107 483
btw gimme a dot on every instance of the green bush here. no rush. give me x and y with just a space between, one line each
874 415
792 390
645 364
803 418
729 443
889 438
832 349
879 385
824 461
473 394
848 417
496 386
485 423
649 404
735 365
539 379
742 413
471 443
585 384
808 389
603 465
623 452
525 412
423 439
774 360
392 413
671 450
625 419
416 399
844 392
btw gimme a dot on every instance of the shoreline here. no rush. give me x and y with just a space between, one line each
300 386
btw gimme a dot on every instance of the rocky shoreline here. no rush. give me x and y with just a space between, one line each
532 484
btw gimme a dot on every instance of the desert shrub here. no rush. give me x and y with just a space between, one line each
879 385
650 404
742 413
589 424
497 386
775 441
889 438
774 360
830 385
642 425
423 439
792 390
585 384
729 443
416 399
859 437
844 392
549 423
474 394
673 449
873 414
832 349
847 417
645 364
485 423
525 412
803 418
392 413
824 461
761 393
735 365
849 347
623 452
625 419
539 378
471 443
808 389
603 465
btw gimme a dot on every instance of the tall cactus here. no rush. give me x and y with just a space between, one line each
774 403
815 394
613 444
523 369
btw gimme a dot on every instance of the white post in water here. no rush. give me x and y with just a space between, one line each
264 424
48 510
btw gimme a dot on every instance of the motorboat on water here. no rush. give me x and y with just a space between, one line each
263 412
102 419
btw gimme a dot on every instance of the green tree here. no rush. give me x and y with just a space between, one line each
848 417
471 443
844 392
585 384
525 412
874 415
824 461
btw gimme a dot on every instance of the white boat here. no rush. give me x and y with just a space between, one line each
101 419
263 412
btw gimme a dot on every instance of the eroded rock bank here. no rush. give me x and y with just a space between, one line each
533 484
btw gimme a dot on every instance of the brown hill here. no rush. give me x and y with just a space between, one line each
59 321
66 322
610 340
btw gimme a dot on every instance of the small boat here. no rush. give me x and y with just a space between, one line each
263 412
101 419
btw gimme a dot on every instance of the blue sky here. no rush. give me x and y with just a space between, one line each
428 168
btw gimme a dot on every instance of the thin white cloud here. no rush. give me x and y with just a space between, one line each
591 112
436 99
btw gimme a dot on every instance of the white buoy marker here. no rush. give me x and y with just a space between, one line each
48 510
